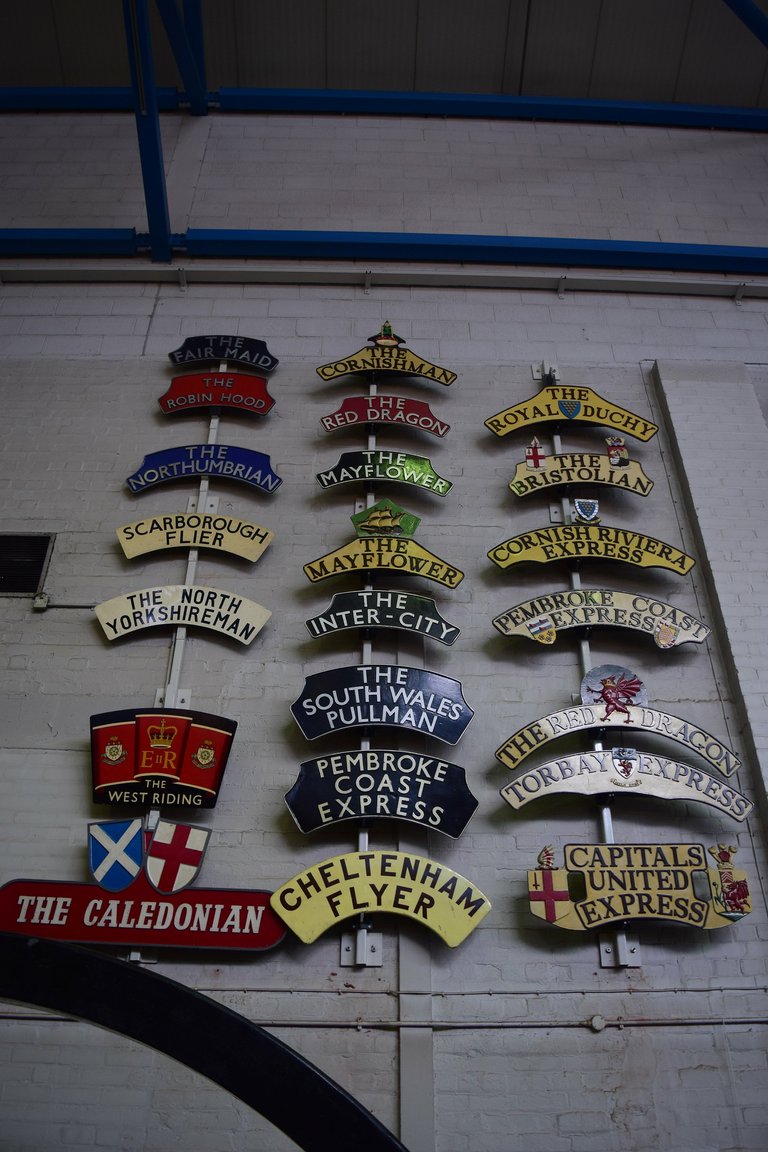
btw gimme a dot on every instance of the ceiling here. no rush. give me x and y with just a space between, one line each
670 51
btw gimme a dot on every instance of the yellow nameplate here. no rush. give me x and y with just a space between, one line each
561 403
182 604
194 530
384 552
590 542
386 359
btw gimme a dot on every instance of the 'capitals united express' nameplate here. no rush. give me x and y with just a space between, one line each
237 390
182 604
381 465
194 530
383 608
235 349
397 410
559 403
226 461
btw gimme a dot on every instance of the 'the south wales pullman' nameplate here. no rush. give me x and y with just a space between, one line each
386 356
194 530
385 784
382 465
577 468
234 349
542 618
365 695
605 884
590 542
182 604
237 390
226 461
407 885
625 770
580 405
161 757
383 608
397 410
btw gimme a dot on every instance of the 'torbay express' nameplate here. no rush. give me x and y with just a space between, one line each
407 885
226 461
383 608
397 410
382 694
558 403
590 542
381 783
194 530
237 390
182 604
236 349
382 465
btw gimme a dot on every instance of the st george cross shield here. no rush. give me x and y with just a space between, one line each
548 894
115 852
174 855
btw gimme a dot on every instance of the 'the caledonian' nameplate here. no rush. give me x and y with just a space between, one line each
625 769
182 604
581 405
236 349
579 468
398 882
365 695
383 608
194 530
617 882
590 542
386 356
397 410
226 461
385 784
380 465
543 617
238 390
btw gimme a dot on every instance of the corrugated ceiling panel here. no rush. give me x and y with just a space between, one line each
220 44
29 51
279 44
460 47
560 46
723 62
91 37
370 45
514 53
638 48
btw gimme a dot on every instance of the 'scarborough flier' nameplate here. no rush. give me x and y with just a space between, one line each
194 530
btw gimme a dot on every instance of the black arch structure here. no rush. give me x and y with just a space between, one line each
294 1095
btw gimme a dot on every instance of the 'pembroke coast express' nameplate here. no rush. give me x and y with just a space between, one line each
182 604
385 355
237 390
582 405
194 530
590 542
226 461
235 349
397 410
383 608
381 783
407 885
366 695
578 468
381 465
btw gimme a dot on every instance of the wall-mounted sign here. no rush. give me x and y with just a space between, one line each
160 757
384 608
235 349
182 604
364 695
625 769
378 783
543 617
397 410
581 405
639 882
386 355
226 461
194 530
590 542
408 885
578 468
382 465
217 390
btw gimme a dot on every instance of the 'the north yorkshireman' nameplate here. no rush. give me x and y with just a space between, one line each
182 604
560 403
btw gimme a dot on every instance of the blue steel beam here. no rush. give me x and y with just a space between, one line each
187 59
193 22
751 16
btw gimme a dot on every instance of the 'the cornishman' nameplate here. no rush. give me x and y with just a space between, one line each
618 882
194 530
385 784
383 608
381 465
238 349
581 405
399 410
579 468
237 390
590 542
399 882
542 618
223 460
625 769
365 695
386 356
182 604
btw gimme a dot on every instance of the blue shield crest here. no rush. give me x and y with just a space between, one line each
116 852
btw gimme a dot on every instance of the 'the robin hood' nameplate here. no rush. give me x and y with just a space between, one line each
233 390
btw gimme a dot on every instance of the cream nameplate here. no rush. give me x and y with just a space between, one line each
398 882
581 405
194 530
182 604
574 468
590 541
597 773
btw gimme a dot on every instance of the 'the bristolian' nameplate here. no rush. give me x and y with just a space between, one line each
234 349
590 542
383 608
385 355
226 461
365 695
380 465
618 882
380 783
194 530
625 769
407 885
397 410
581 405
578 468
542 618
182 604
237 390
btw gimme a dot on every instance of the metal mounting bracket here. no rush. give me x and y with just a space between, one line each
619 951
544 369
361 949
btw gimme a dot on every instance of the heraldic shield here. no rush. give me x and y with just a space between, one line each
175 855
115 852
548 894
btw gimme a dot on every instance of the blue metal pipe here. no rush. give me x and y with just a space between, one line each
73 242
751 16
80 99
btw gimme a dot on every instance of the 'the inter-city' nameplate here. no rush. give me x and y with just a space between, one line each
383 608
